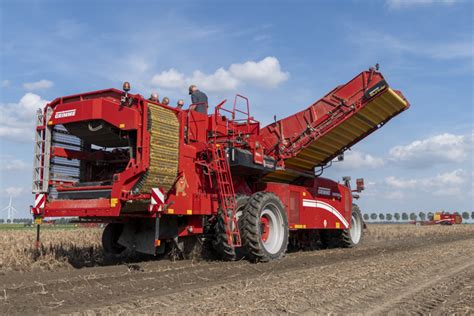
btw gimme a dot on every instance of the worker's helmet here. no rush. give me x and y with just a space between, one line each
154 96
192 88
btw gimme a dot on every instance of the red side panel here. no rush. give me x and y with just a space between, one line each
322 204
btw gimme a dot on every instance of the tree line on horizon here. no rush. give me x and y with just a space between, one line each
413 216
16 221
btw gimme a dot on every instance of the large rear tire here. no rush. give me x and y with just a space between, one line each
345 238
264 228
110 237
220 243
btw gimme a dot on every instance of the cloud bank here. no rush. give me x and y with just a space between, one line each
38 85
17 120
266 73
401 4
443 148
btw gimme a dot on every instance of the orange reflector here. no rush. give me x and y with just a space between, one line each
157 242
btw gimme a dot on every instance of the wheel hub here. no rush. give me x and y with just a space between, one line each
271 228
264 228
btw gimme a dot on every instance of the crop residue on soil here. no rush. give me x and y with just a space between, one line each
398 268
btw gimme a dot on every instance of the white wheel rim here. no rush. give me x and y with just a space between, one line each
275 236
356 229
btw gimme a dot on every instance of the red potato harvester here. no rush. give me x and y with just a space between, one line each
167 178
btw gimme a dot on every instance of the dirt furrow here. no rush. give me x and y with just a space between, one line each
442 294
339 280
345 286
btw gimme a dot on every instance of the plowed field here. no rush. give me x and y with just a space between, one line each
398 269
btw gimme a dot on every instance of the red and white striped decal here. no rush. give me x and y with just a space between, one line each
157 196
327 207
40 200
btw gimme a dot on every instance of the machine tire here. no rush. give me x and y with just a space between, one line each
353 237
345 238
264 228
110 237
220 244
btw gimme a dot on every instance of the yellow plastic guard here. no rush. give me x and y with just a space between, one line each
380 109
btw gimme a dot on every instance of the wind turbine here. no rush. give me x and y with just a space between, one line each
10 211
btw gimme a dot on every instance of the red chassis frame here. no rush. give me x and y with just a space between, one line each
316 203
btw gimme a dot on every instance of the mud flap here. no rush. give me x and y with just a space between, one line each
140 236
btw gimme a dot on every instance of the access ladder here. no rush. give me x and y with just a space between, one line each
42 152
225 188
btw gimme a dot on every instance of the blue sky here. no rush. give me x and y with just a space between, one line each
283 55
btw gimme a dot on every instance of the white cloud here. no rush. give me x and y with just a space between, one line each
5 83
401 183
395 195
38 85
437 149
265 73
448 183
399 4
9 164
14 191
355 159
169 79
456 48
221 80
17 119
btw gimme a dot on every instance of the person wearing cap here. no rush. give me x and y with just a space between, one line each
198 100
180 104
166 101
153 97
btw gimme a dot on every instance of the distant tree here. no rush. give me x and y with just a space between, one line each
8 221
472 215
61 221
465 215
381 216
373 216
389 217
413 216
397 216
422 216
366 217
430 216
3 221
404 216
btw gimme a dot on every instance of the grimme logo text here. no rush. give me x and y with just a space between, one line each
67 113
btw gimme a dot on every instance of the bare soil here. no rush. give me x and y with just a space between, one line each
399 269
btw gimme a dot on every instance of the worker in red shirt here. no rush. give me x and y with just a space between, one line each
198 100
